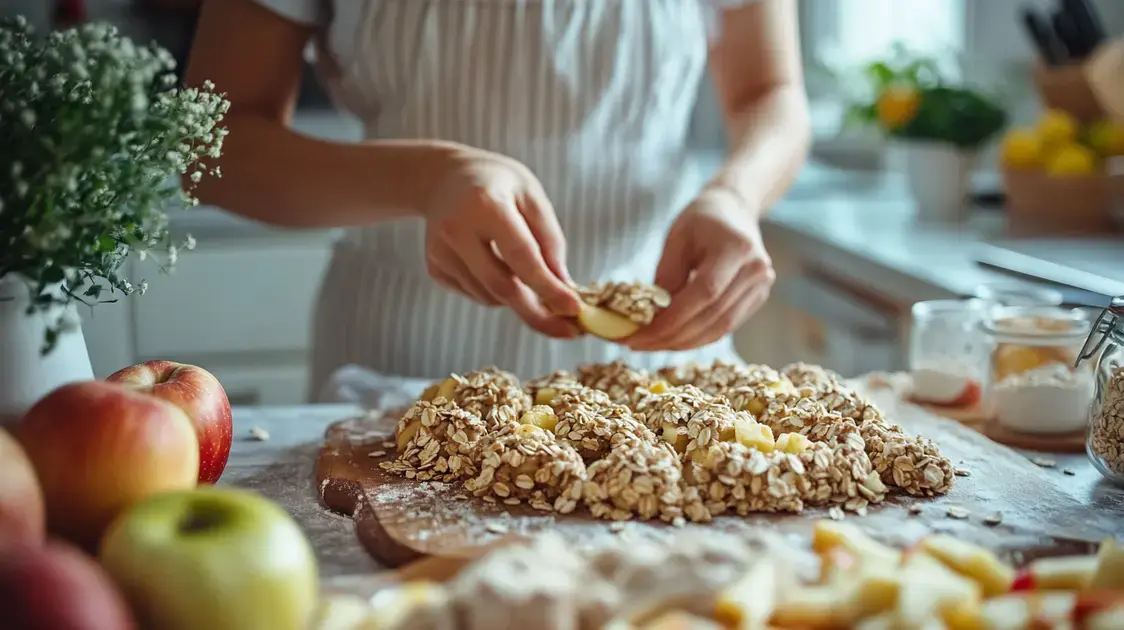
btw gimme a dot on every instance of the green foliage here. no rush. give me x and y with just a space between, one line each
955 114
95 135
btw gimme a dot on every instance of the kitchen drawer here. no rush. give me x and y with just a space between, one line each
253 297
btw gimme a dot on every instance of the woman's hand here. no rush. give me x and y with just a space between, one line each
717 270
492 235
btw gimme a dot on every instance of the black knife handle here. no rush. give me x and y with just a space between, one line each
1067 33
1045 40
1087 22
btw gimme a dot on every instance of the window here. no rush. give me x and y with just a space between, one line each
841 36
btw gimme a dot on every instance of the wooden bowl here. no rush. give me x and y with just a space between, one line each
1040 203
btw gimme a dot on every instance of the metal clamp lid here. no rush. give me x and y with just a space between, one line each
1110 318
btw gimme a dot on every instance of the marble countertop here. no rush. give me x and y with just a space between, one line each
282 468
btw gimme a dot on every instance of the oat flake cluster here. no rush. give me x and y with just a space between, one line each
1106 431
687 443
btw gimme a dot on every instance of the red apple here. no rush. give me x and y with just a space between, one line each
198 393
56 586
99 447
22 515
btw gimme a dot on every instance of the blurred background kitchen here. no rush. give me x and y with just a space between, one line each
877 222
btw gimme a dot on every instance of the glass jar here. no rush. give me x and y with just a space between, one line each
945 353
1032 381
1105 439
1016 294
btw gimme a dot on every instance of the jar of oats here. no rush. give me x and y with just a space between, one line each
1032 381
1105 438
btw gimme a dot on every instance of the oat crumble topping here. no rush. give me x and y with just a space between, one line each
686 443
637 301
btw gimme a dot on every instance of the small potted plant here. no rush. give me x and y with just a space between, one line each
939 126
96 135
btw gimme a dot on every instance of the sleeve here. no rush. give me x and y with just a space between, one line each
308 12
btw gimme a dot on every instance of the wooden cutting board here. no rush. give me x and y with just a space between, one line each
399 520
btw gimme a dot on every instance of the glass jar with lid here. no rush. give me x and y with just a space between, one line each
945 353
1105 346
1032 381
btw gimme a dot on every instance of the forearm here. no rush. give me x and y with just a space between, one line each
275 175
769 140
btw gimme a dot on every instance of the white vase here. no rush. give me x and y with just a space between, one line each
940 179
26 374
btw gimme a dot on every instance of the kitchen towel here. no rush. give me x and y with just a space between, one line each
357 385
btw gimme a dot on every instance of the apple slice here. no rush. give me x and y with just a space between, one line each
793 443
820 606
829 534
341 612
749 602
605 323
1111 619
541 416
750 433
930 589
1027 611
1063 573
985 568
1110 566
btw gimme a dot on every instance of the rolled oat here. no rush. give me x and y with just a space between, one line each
527 463
637 301
643 481
440 441
621 382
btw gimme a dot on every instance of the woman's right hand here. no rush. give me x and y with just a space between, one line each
492 235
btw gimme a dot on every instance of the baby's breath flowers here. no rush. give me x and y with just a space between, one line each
95 134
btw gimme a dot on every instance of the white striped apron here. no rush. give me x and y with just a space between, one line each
594 96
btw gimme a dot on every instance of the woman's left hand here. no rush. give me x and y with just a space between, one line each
716 268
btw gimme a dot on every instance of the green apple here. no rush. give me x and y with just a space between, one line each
212 559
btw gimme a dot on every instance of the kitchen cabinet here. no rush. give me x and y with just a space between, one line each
239 307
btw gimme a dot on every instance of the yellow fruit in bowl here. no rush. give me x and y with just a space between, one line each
1057 127
1106 137
1071 160
897 105
1021 149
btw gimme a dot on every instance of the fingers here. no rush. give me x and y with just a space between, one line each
520 250
723 323
709 286
675 264
543 223
499 281
448 270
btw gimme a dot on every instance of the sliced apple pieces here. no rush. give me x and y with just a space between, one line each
828 534
748 432
819 607
972 561
793 443
1062 573
605 324
341 612
541 416
1110 566
930 589
748 603
1028 611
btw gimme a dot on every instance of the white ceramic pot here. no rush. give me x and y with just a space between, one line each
940 179
25 374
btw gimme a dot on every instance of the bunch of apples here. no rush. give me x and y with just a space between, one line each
109 519
1060 146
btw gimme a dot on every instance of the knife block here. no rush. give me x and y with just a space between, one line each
1090 90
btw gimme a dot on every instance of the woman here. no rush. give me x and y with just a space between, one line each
514 146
